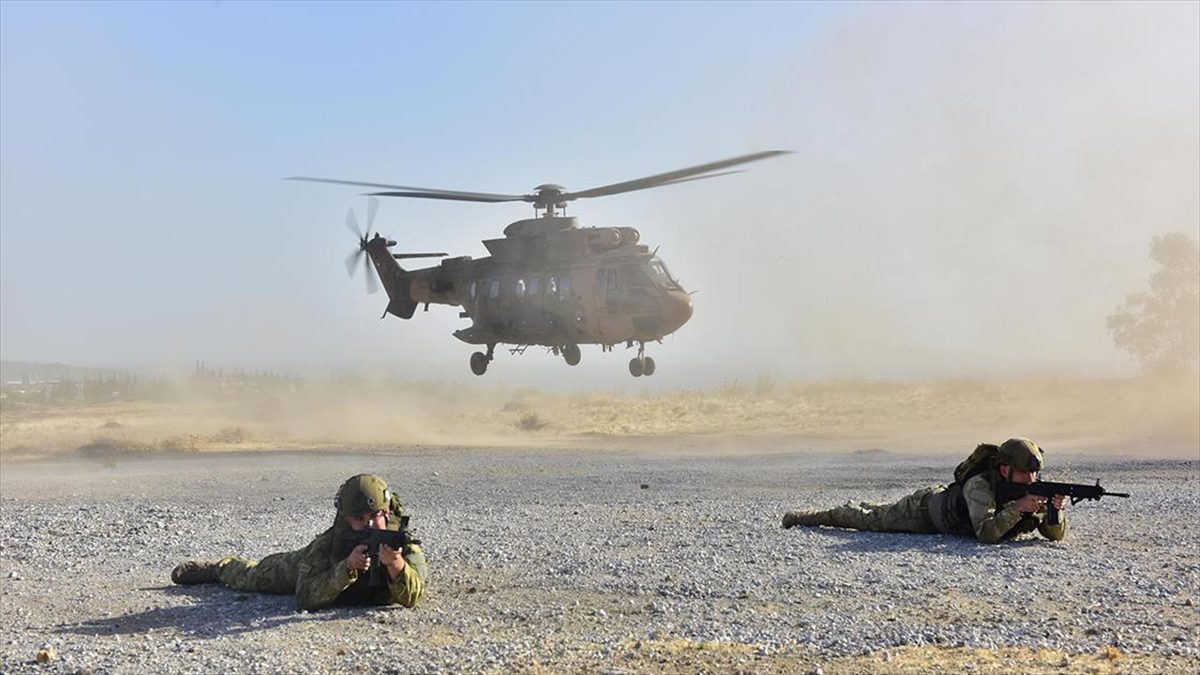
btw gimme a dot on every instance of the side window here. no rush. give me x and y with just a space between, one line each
564 286
494 289
519 288
631 275
533 287
473 290
551 287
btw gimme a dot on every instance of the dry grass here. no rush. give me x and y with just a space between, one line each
686 656
1125 414
1112 410
921 660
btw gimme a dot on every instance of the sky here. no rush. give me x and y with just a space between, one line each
972 191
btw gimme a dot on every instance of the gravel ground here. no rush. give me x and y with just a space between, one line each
556 561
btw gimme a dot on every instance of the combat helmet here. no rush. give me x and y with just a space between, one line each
1021 454
364 493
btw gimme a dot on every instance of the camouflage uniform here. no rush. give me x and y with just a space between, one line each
910 514
967 508
318 575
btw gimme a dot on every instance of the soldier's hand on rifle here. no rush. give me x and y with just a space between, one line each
1059 502
358 559
1030 503
391 559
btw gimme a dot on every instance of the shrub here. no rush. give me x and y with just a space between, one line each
530 421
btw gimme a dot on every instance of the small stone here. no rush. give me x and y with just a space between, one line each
645 486
14 575
47 655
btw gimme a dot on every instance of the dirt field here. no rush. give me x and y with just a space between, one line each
590 533
570 561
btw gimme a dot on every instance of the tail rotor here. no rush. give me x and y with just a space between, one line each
361 251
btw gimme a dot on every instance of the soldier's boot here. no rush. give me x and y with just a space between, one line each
807 518
195 572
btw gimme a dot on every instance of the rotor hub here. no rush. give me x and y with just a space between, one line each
548 196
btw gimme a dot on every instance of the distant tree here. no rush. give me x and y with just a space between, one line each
1161 328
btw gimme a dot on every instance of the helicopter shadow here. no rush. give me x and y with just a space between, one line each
217 612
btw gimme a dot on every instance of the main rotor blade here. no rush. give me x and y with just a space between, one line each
453 195
352 261
372 209
707 175
338 181
352 224
372 286
402 256
671 176
477 196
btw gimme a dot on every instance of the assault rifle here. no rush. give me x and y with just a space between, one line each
373 538
1009 491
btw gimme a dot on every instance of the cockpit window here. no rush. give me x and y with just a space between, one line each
551 287
658 271
564 286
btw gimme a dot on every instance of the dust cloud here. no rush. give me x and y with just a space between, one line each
1149 417
974 191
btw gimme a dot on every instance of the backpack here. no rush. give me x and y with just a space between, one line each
977 463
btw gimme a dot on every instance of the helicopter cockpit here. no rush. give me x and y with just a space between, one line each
661 275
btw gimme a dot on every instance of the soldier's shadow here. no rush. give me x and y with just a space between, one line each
856 541
219 611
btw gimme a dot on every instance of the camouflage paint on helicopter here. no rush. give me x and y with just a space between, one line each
547 282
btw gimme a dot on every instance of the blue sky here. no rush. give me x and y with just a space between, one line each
958 167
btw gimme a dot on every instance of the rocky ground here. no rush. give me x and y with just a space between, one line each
617 562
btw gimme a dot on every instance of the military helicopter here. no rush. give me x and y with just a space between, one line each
548 281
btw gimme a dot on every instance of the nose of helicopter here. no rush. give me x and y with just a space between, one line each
676 309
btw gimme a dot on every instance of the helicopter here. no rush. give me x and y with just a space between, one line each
548 282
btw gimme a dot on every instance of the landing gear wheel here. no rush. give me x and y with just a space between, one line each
648 367
571 355
636 367
479 363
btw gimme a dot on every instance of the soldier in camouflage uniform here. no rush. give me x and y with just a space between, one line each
968 507
333 569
